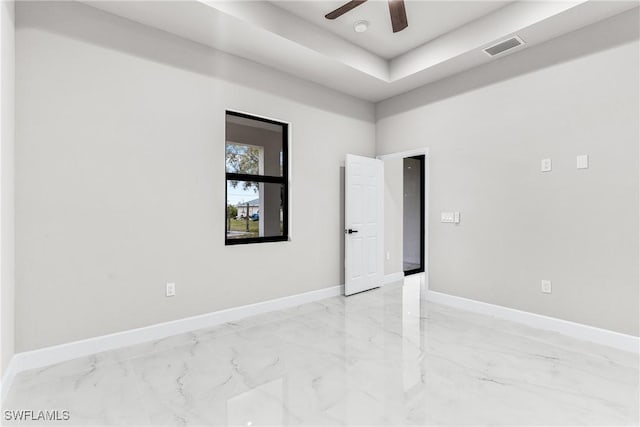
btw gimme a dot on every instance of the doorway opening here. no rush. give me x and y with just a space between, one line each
413 215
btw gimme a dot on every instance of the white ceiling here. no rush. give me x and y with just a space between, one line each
443 38
427 20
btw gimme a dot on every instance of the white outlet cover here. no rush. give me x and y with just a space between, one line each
545 286
545 165
171 289
582 162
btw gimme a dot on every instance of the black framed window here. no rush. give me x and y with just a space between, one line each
256 187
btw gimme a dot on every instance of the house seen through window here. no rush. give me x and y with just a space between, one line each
256 179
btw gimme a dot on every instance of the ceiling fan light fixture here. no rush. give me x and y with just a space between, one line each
360 26
397 12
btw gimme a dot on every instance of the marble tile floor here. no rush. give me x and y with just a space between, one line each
383 357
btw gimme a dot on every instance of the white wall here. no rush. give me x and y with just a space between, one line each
488 129
120 176
7 133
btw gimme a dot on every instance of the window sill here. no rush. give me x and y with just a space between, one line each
235 242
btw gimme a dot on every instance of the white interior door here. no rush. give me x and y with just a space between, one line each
364 223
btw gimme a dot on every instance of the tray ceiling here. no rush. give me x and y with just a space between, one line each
427 21
443 38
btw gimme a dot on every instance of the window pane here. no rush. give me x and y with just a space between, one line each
241 158
254 209
253 146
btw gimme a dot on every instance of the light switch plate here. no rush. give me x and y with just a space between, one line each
545 165
582 162
447 217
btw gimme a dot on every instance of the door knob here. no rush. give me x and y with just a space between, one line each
350 231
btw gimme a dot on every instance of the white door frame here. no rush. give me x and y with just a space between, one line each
424 151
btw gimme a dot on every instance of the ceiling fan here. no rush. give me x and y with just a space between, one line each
396 9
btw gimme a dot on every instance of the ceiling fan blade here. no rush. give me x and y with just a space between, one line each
398 15
344 9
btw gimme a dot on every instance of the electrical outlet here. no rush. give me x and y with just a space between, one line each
546 286
545 165
388 255
171 289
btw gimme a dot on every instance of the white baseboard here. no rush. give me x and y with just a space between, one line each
7 378
393 277
60 353
576 330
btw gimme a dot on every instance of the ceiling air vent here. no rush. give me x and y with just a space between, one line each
503 46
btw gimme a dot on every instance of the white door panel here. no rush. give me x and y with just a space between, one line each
364 254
